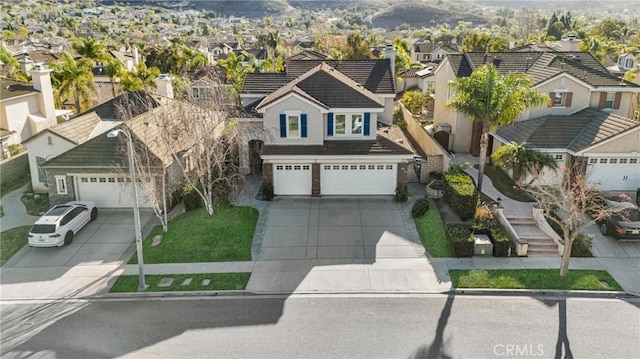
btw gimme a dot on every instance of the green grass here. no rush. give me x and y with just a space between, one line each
504 184
197 237
219 281
533 279
11 241
431 230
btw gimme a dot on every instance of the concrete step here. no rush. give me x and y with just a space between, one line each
522 221
531 253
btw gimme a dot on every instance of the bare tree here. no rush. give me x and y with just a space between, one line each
571 205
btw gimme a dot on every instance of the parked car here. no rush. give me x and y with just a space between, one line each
623 223
58 226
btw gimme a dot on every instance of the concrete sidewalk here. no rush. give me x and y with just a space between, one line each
15 214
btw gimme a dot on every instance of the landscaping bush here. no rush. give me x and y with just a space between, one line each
266 191
461 194
459 236
398 118
402 193
191 198
420 207
438 176
35 203
501 241
581 246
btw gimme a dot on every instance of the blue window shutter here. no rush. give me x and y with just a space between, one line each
283 125
367 121
330 124
303 125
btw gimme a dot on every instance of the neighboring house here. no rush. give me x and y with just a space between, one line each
77 161
421 79
432 52
28 108
625 63
307 55
574 81
607 144
318 131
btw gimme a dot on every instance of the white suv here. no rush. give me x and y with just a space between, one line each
57 227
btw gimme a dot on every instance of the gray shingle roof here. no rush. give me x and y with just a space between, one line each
573 132
11 88
375 75
328 88
540 65
381 146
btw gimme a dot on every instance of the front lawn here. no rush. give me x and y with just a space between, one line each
217 281
197 237
534 279
11 241
431 231
504 184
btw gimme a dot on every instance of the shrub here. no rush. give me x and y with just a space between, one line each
458 167
483 213
402 193
266 191
459 236
581 246
191 198
398 118
438 176
35 203
461 194
420 207
15 149
501 240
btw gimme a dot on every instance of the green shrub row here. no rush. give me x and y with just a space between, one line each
420 207
459 236
501 241
402 193
461 194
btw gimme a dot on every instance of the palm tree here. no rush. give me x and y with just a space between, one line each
10 67
113 69
523 160
75 80
493 100
91 49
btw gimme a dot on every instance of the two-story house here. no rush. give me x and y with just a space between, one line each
28 108
316 128
589 107
425 52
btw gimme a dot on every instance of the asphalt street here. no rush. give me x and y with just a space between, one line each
324 327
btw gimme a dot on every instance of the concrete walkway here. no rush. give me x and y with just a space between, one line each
15 214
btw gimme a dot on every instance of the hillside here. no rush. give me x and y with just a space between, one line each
420 14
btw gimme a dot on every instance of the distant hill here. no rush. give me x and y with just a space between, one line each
420 14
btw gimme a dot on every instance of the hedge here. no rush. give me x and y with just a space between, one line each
461 194
459 236
501 241
420 207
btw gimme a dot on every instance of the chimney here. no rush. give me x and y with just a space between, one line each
26 64
136 56
571 43
164 86
390 53
42 82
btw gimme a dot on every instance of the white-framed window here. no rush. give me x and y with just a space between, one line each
613 161
593 161
84 180
559 99
559 157
348 124
327 167
623 161
608 102
603 160
49 140
633 160
61 184
293 125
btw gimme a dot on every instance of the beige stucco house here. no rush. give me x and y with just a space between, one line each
582 94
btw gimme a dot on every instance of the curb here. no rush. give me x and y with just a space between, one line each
544 292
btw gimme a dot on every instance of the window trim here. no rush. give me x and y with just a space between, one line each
288 115
608 104
61 184
348 124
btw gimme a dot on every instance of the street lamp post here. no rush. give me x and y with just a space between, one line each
136 211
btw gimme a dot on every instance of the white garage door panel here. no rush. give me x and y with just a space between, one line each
615 177
111 191
292 179
362 179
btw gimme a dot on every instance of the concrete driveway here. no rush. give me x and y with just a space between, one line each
103 241
344 227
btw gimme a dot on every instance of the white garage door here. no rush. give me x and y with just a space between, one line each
361 179
615 176
111 191
292 179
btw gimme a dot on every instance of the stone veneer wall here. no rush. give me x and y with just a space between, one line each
315 180
402 173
